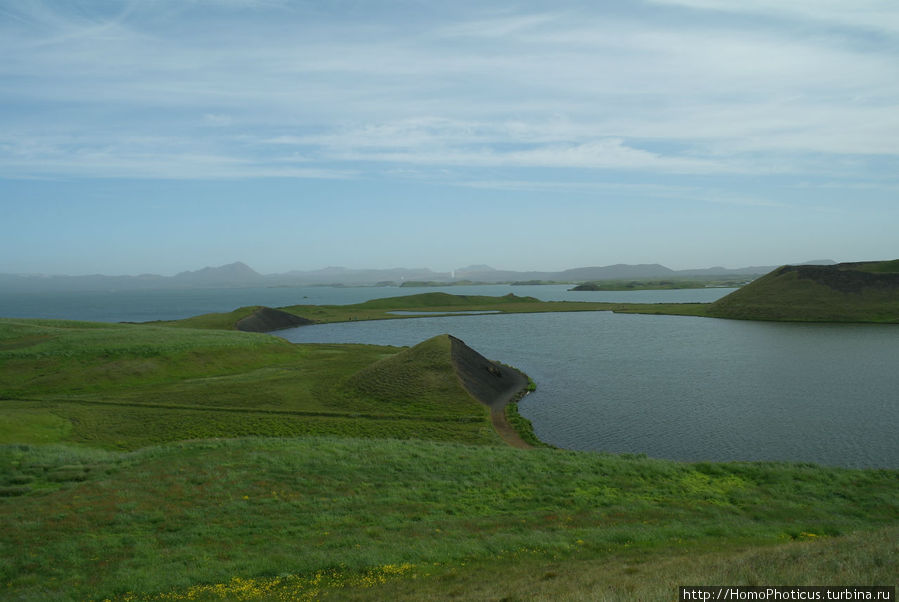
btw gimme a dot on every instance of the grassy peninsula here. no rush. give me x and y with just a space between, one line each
431 304
192 460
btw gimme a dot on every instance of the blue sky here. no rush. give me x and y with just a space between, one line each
170 135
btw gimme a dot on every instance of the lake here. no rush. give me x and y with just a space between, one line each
684 388
145 306
667 386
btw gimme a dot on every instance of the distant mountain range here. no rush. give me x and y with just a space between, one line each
239 275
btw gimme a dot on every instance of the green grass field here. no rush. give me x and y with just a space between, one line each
127 386
148 462
167 520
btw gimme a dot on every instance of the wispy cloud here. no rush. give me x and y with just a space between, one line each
875 15
501 26
605 154
148 157
223 88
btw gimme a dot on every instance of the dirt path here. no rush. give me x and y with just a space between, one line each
493 384
505 430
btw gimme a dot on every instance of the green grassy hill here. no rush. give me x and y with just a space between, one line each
414 375
846 292
254 318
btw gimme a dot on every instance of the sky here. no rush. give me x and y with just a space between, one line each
156 137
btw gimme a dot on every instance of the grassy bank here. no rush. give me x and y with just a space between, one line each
640 574
128 386
168 519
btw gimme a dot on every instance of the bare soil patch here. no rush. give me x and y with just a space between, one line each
491 383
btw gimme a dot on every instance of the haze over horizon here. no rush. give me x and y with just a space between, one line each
163 137
240 267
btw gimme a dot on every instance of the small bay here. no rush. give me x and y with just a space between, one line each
684 388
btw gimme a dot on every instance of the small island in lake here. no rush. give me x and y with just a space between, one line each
656 285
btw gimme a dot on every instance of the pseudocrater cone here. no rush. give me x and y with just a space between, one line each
440 368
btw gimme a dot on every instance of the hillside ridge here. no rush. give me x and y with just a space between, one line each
846 292
846 277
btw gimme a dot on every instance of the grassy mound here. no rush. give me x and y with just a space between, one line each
442 375
422 378
293 515
266 319
253 318
214 321
847 292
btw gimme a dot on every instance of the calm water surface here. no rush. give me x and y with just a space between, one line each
144 306
684 388
667 386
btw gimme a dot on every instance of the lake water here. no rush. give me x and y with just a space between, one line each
684 388
144 306
667 386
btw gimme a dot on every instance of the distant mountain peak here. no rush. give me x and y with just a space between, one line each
237 271
238 267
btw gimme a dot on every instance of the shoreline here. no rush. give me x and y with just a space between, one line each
494 385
